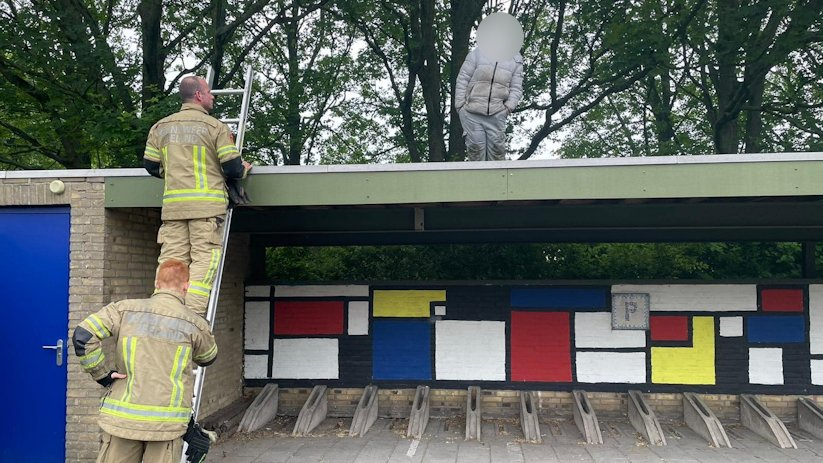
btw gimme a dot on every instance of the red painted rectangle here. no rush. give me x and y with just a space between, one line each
669 328
308 317
541 347
781 300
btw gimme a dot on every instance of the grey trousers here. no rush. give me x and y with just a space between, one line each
485 135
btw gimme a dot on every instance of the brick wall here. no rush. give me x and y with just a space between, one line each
113 256
87 291
224 378
397 403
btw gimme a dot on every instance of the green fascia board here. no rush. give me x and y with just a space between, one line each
784 174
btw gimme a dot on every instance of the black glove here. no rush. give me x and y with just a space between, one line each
237 194
198 443
107 380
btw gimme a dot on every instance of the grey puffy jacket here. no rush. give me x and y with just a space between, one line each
488 87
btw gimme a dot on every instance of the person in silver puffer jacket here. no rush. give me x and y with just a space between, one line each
486 92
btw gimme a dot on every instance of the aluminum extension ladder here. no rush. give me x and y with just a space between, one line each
211 308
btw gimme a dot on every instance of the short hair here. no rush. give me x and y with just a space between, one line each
172 274
188 86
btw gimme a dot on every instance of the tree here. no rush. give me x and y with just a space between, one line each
594 50
764 70
750 38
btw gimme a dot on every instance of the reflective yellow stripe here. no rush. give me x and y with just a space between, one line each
199 290
194 190
98 327
92 359
199 168
203 170
208 354
181 358
129 348
151 153
213 264
145 412
170 196
203 288
188 199
224 151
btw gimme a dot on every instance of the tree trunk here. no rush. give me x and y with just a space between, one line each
462 15
154 79
430 81
218 42
293 129
660 104
728 44
754 117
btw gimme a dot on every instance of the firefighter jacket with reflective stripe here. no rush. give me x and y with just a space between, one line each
156 341
191 146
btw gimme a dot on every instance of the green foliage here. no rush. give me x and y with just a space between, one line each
604 261
342 82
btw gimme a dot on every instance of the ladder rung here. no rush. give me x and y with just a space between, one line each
227 91
230 120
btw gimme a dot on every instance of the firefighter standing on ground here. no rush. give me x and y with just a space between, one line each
194 153
147 409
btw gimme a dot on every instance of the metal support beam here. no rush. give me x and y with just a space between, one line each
809 262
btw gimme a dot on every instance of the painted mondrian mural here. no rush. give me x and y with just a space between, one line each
721 337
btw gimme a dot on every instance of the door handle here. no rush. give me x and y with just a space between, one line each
58 351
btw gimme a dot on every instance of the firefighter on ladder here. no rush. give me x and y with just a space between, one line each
195 154
146 413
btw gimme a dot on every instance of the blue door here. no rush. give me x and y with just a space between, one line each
34 300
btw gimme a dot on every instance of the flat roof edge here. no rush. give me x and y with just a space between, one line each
446 166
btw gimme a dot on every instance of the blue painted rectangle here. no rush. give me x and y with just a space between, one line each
401 349
559 298
775 329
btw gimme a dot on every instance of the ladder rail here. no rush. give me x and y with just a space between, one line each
244 108
211 308
200 373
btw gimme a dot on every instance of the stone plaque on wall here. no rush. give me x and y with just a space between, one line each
630 311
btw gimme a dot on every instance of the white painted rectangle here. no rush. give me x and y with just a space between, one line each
303 358
766 365
731 327
440 310
258 291
817 372
704 298
816 319
258 325
470 350
594 330
256 366
321 291
611 367
358 318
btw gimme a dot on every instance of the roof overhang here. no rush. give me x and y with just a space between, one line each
763 197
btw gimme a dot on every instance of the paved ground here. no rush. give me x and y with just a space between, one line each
502 441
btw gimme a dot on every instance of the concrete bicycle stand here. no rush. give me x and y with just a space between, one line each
644 420
261 411
366 412
585 418
419 418
314 411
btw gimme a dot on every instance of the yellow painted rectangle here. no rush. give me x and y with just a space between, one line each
687 365
405 303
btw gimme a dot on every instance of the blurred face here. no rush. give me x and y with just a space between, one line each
204 96
499 36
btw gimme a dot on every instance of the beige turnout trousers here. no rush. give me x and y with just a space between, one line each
115 449
197 243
